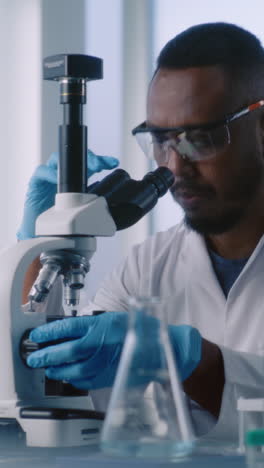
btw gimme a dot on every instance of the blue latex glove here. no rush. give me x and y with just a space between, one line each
88 361
187 346
42 189
91 359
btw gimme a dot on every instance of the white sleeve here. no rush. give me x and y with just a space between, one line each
243 378
114 292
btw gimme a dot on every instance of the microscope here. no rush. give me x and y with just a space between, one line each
66 240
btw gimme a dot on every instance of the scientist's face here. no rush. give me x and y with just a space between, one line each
215 193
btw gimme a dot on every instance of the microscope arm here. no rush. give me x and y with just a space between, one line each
76 214
14 262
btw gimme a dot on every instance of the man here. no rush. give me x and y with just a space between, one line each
205 122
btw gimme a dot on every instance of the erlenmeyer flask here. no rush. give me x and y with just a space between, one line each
147 414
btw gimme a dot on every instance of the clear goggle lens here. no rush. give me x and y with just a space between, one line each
195 145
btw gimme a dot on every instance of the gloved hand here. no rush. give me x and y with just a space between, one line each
91 358
42 189
187 346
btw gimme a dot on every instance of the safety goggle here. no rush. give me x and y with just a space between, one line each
190 142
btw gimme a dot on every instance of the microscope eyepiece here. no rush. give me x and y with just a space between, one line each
128 199
162 178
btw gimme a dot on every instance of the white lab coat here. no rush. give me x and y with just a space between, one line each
175 265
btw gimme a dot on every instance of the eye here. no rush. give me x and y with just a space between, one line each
199 138
158 138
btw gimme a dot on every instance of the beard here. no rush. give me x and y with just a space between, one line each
236 202
214 225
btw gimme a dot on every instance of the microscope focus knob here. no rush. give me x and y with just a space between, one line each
27 346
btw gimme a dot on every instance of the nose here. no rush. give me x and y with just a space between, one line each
178 164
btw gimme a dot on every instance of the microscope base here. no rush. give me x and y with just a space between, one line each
54 421
57 427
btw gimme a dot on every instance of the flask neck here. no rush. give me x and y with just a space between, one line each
147 318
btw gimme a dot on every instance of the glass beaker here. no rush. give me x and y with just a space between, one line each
147 414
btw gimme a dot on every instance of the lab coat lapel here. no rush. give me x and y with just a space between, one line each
205 300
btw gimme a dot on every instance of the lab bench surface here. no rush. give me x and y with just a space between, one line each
205 461
73 458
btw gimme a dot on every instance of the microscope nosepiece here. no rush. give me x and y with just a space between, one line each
71 265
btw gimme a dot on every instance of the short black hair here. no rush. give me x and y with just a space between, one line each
223 44
236 50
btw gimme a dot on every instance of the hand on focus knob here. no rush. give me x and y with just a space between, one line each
91 358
